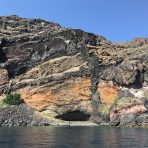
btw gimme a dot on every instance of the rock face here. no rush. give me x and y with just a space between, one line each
3 76
60 71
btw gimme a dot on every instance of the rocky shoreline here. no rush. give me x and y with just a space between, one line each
69 74
23 115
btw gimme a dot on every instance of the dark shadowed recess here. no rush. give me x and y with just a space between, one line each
3 57
139 80
74 116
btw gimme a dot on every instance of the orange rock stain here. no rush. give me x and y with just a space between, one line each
108 92
42 97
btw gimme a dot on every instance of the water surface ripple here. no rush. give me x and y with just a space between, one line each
73 137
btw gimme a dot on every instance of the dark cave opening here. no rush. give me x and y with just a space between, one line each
138 83
74 116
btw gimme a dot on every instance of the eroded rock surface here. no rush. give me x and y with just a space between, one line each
21 116
58 70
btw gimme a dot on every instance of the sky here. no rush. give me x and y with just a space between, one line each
117 20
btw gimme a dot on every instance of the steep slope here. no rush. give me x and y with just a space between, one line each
61 71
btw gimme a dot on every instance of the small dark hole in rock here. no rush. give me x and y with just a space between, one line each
74 116
3 57
138 80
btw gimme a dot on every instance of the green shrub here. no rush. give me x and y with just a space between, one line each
13 99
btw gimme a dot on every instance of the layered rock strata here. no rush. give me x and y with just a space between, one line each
58 71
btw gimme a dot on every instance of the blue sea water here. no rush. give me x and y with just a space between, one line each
73 137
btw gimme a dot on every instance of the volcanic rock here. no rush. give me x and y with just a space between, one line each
58 70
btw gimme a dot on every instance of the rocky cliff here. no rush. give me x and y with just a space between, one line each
73 75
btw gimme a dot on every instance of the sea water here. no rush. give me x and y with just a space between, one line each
73 137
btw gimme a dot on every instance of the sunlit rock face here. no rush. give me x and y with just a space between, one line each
69 95
3 76
44 63
63 71
108 92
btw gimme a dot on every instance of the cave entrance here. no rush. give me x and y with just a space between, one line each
74 116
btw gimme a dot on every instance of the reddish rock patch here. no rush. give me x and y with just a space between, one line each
131 110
